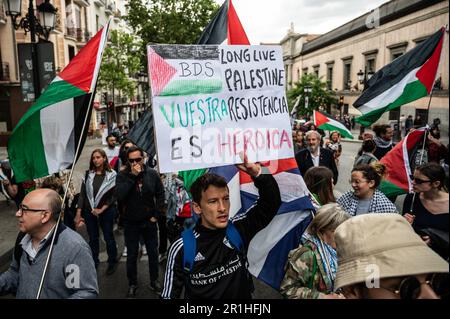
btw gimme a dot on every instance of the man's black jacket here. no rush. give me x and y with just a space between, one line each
141 202
304 161
219 271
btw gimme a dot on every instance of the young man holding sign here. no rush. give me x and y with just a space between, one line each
210 262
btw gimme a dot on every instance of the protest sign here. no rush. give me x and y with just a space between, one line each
211 103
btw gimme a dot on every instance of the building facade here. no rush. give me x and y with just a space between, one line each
366 44
76 22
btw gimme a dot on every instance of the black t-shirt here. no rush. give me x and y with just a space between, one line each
425 219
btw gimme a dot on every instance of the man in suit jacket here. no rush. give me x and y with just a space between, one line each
315 155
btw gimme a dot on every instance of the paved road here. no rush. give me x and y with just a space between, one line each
115 286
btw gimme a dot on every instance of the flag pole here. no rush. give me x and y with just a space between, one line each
427 132
64 197
91 99
423 145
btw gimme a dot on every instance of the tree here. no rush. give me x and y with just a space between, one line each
121 61
318 97
169 21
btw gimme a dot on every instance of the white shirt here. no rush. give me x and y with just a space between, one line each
27 244
111 153
316 159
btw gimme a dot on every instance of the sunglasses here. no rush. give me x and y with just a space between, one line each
409 287
135 160
419 181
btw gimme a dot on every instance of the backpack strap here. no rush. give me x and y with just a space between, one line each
18 248
189 249
234 237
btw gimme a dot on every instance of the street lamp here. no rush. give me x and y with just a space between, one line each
363 77
41 27
307 90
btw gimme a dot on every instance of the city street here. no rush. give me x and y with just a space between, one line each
115 286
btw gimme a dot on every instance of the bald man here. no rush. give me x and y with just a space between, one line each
71 271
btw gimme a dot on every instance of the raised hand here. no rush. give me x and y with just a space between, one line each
252 169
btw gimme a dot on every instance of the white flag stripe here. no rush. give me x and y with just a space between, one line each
338 125
390 95
292 185
235 196
57 127
101 47
263 242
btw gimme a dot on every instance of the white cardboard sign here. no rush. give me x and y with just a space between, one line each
211 103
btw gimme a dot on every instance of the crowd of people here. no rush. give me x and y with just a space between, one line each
349 236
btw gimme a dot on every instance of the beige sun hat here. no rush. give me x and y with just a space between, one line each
383 243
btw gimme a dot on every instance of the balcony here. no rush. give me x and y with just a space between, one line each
117 15
109 8
100 3
83 3
71 32
2 14
4 72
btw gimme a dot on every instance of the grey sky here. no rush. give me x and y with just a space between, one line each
269 20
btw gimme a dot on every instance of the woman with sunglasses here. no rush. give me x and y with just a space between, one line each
365 197
97 206
380 257
429 213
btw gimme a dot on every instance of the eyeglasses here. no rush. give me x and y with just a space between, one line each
358 181
409 287
23 208
134 160
419 181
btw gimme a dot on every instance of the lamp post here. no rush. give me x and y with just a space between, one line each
307 90
36 27
363 77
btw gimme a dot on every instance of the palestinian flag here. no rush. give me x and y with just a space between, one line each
326 122
399 162
408 78
45 139
224 26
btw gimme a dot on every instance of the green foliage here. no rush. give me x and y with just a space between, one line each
319 95
121 61
169 21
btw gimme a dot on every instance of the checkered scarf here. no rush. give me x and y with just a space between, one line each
379 203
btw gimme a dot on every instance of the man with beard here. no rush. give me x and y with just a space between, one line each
314 155
383 139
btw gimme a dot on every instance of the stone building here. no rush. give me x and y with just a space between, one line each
76 22
366 44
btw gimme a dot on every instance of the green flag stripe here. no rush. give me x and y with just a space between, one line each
330 127
55 92
25 147
413 91
390 189
191 87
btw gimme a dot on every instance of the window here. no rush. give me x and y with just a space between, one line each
394 115
347 74
97 24
305 71
397 50
298 74
330 77
71 52
370 65
316 69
